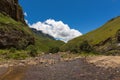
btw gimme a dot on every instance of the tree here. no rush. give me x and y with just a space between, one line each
54 50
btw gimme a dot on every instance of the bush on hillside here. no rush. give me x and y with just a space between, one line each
118 36
54 50
12 50
74 49
18 55
85 46
32 51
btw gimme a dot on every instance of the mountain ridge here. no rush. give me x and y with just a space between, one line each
41 34
15 33
102 40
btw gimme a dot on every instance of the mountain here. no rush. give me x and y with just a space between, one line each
13 30
41 34
44 42
105 39
15 33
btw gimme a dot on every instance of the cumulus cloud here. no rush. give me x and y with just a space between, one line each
26 21
57 29
25 14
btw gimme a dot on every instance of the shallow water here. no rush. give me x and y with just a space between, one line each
77 69
14 73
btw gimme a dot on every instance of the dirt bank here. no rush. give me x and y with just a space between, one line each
105 61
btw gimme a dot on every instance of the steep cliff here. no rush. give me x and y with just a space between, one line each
15 33
12 8
13 30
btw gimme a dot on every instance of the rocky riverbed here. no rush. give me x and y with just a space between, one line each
55 67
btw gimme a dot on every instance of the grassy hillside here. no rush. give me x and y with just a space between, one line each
7 23
17 41
41 34
14 34
97 36
41 43
44 44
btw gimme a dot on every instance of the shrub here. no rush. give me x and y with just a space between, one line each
74 49
118 36
3 53
54 50
85 46
32 51
12 50
18 55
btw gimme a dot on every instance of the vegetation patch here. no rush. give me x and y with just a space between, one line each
13 54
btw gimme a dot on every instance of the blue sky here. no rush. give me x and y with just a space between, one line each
82 15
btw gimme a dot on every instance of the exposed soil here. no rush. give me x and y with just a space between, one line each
105 61
52 67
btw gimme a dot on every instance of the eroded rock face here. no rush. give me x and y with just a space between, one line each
15 38
13 34
13 9
118 36
110 45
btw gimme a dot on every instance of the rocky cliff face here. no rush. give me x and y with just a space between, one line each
110 46
13 9
13 30
118 36
15 38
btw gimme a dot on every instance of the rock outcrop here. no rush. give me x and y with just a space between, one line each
15 38
118 36
13 30
13 9
110 45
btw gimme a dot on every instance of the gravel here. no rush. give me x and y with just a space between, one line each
52 67
77 69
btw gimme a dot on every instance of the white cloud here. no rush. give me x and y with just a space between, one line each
25 14
57 29
26 21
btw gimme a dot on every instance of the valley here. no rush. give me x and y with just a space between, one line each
27 53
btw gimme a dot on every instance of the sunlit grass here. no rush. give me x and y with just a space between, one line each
108 30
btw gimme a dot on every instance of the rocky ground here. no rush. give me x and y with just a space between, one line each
57 67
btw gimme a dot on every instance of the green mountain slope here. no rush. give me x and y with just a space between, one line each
41 34
44 42
100 39
15 33
24 37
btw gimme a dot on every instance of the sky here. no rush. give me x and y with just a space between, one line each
67 19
